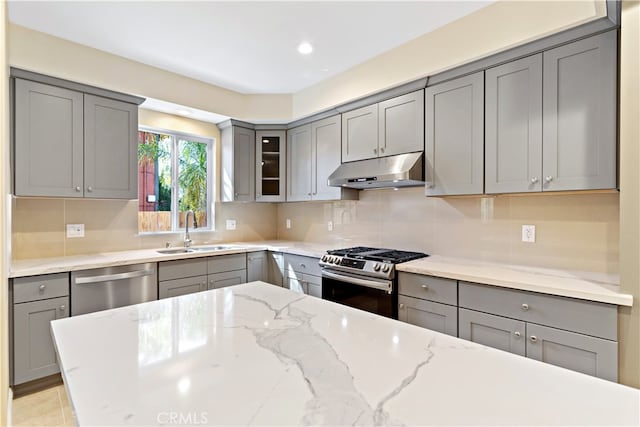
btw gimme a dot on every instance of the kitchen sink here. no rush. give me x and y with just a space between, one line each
212 248
170 251
175 251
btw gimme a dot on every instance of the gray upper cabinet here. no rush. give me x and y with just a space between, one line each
48 140
394 126
360 133
270 166
110 148
513 126
454 143
299 163
238 164
579 113
70 144
401 124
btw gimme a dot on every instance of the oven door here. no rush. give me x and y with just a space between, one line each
365 293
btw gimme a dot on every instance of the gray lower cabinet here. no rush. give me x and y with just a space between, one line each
275 263
429 302
493 331
579 113
177 287
513 126
70 144
36 301
238 163
303 274
257 266
454 139
575 334
227 278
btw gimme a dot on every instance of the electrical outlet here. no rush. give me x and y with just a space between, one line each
231 224
75 230
529 233
287 223
330 226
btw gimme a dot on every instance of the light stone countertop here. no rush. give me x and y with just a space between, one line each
590 286
575 284
257 354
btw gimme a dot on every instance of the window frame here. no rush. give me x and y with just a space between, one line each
210 143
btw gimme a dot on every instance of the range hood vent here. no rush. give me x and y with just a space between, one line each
402 170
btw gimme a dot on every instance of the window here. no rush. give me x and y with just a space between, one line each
174 176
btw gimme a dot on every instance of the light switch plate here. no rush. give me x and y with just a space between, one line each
529 233
231 224
75 230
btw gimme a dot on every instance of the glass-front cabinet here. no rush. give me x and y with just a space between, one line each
270 165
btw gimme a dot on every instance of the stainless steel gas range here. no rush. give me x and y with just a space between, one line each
364 278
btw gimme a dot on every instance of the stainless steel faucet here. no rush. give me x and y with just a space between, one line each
187 237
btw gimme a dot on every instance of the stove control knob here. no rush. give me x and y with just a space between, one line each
324 258
336 260
386 268
376 267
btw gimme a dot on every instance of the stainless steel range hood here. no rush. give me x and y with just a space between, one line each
402 170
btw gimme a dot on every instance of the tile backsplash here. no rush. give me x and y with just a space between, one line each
573 231
39 226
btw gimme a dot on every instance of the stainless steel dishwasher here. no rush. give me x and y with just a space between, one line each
111 287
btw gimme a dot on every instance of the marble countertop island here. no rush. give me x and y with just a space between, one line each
257 354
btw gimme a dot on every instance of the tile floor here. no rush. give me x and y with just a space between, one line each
48 407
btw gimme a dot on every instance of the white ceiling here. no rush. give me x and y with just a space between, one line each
249 47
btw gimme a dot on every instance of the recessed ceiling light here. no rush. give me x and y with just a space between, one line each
305 48
184 112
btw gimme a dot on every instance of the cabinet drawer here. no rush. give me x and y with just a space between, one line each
220 263
40 287
302 264
587 317
428 287
169 270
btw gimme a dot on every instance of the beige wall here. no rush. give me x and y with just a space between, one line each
39 52
38 228
629 319
4 212
575 232
494 28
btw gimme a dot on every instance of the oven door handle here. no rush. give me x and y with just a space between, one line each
386 286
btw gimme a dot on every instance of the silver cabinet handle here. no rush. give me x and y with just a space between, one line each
382 149
89 189
375 151
235 194
42 287
517 334
548 179
525 307
533 338
401 306
425 287
534 180
78 189
63 307
308 194
303 266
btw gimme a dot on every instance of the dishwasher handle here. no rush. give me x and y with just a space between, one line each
109 277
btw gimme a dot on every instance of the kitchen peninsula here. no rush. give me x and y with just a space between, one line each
257 354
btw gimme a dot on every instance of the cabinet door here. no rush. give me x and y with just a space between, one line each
513 127
582 353
34 355
228 278
296 284
299 163
276 268
257 267
580 110
48 137
431 315
314 285
174 288
325 155
360 134
110 148
401 124
243 164
270 166
454 144
493 331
